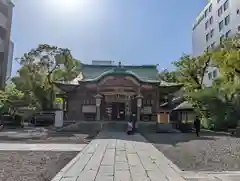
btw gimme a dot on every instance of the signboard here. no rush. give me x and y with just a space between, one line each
89 109
147 110
116 98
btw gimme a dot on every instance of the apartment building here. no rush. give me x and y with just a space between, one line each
6 47
218 20
10 61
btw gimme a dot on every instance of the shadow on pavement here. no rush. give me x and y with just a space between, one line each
175 138
155 138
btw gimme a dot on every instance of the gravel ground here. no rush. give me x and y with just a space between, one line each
207 153
22 136
29 166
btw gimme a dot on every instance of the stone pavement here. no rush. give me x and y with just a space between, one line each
40 147
116 156
119 157
211 176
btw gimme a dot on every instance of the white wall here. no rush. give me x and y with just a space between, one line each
199 43
10 60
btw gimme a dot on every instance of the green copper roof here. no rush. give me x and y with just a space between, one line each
146 73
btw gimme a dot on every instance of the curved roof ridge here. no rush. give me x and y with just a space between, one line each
122 71
127 66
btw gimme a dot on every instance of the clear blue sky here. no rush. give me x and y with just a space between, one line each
133 31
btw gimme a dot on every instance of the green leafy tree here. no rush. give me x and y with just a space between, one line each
191 70
220 103
169 76
40 68
10 96
227 58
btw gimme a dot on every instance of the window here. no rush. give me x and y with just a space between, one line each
207 37
227 20
210 8
228 33
206 25
211 33
238 28
238 11
210 75
222 38
213 45
214 73
211 20
218 1
206 13
226 5
220 11
220 25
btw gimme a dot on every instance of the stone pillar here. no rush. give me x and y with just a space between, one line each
128 108
98 98
139 106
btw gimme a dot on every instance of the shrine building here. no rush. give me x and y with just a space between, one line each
115 93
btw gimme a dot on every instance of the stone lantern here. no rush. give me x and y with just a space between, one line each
139 106
98 98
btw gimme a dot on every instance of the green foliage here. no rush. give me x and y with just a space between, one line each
168 76
39 69
191 70
218 105
227 58
9 96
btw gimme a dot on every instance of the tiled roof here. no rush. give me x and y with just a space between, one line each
147 73
184 106
143 73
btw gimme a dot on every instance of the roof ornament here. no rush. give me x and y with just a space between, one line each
119 68
119 64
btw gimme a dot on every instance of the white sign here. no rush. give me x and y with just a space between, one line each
147 110
89 109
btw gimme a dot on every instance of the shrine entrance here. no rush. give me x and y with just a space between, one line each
118 111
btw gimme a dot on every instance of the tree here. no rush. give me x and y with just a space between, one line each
9 96
219 104
191 70
227 58
40 68
168 76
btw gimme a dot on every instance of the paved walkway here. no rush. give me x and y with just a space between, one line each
40 147
119 157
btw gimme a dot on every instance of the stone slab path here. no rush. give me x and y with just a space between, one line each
40 147
119 157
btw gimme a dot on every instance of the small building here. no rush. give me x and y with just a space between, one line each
115 93
177 111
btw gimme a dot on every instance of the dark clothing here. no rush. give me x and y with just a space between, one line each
197 125
134 125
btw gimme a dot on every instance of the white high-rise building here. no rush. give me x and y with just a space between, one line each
218 20
10 61
6 47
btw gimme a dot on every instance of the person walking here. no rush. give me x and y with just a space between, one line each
197 124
